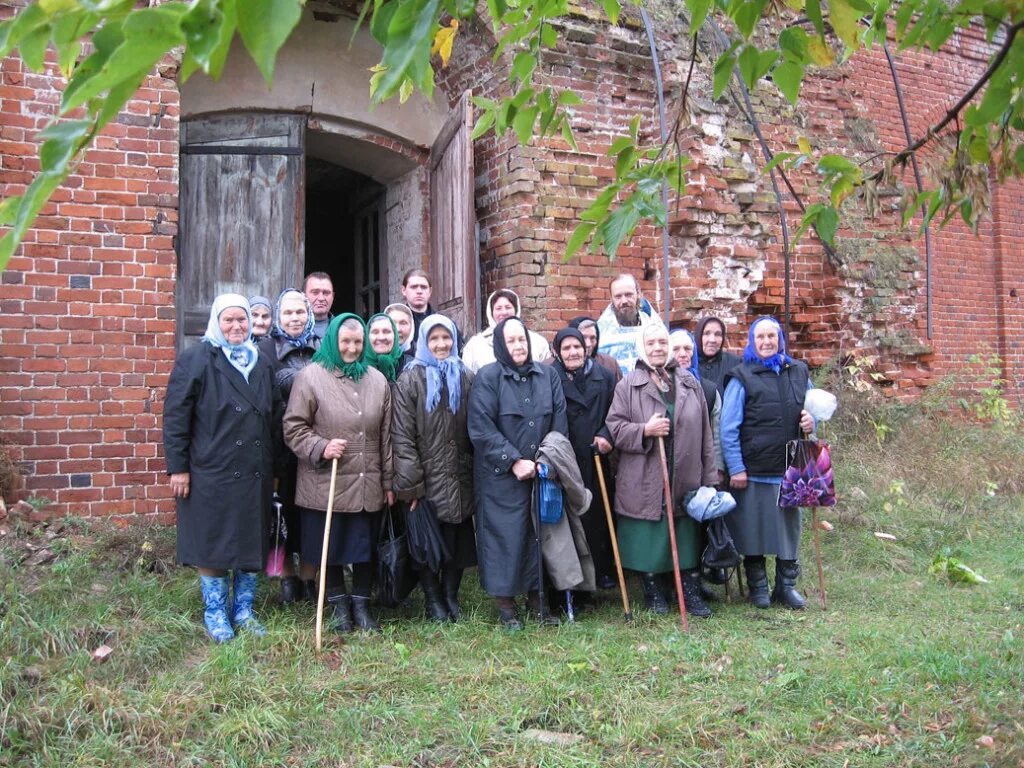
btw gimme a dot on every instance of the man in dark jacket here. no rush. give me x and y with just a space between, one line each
712 358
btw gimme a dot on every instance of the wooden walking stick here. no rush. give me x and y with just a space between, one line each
323 558
672 534
817 556
627 614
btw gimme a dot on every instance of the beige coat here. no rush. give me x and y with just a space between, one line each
324 406
639 490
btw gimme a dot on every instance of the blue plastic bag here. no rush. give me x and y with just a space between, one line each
550 496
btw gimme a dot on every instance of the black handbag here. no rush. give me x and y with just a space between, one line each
395 575
721 551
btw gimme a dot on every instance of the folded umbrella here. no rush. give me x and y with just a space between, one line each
426 544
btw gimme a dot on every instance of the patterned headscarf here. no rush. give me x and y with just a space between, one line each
406 309
330 358
777 361
647 332
447 372
307 332
680 333
241 356
388 362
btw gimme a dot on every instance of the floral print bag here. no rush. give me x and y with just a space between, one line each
808 479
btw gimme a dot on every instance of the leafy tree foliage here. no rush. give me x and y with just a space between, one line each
105 48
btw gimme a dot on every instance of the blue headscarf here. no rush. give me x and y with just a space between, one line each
241 356
307 333
438 372
693 358
777 361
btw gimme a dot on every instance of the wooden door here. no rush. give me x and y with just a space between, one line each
368 250
453 221
241 211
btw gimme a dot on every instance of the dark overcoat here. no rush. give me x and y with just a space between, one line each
586 407
509 414
433 454
222 431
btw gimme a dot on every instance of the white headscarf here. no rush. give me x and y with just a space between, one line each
647 332
241 356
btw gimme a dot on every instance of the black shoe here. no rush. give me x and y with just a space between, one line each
716 575
342 606
786 574
361 614
757 581
546 619
607 582
508 616
310 591
451 578
695 605
654 599
433 606
291 590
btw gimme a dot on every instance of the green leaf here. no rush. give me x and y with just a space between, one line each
833 164
826 223
793 42
483 124
264 25
619 226
202 27
523 66
789 76
28 20
61 141
634 128
754 64
621 143
979 149
33 47
777 159
567 134
612 9
568 99
8 210
625 162
407 50
747 14
496 9
699 10
548 36
723 73
845 21
813 8
522 124
578 237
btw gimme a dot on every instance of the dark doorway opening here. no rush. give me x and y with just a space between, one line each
345 229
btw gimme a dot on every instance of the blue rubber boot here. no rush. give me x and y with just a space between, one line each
215 596
241 609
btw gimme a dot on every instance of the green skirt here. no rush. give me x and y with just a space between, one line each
644 544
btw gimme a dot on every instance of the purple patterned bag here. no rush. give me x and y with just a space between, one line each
808 480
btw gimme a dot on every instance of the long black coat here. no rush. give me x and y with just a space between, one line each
509 414
222 431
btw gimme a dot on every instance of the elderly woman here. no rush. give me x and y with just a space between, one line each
685 354
588 327
259 308
714 361
514 403
340 408
480 350
660 401
762 410
219 437
405 322
385 350
434 457
289 348
588 389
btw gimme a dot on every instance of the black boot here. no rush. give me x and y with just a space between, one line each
546 619
433 606
508 615
695 605
757 581
654 599
361 614
451 578
291 590
342 606
310 590
786 574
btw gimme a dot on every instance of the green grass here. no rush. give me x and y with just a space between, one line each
904 669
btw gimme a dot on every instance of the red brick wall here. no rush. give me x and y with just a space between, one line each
87 303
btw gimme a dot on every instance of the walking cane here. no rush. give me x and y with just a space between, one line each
535 511
323 558
672 534
627 614
817 556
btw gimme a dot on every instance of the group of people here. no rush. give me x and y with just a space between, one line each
281 396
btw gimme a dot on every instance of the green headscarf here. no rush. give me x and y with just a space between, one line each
386 364
329 357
